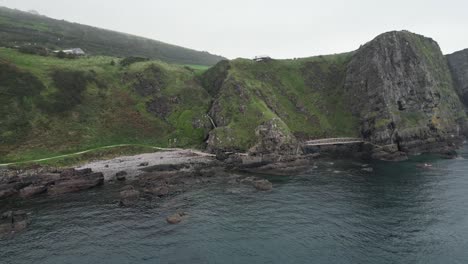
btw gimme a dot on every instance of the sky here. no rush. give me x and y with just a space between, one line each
280 29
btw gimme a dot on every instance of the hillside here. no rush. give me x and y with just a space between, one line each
396 92
304 97
51 106
19 28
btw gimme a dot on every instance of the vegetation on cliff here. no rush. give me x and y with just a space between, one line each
52 106
395 91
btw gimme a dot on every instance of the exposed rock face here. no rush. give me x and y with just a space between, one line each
273 137
399 86
29 184
458 63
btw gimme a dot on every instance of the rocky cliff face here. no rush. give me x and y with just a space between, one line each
399 86
458 63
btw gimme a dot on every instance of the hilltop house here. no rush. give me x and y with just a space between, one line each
261 58
74 51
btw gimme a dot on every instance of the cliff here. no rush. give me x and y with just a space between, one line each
397 92
400 87
458 63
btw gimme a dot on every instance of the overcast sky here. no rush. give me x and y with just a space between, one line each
281 29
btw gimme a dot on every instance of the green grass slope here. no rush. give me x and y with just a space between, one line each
51 106
19 28
306 95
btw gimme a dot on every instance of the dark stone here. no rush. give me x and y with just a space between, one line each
143 164
121 175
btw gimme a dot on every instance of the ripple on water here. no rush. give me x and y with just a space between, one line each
395 214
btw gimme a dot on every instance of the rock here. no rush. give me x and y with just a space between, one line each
76 184
143 164
129 196
158 191
263 185
273 138
121 175
30 191
7 190
13 221
458 63
399 87
175 218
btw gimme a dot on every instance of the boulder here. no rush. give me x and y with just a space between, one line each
143 164
175 218
263 185
121 175
129 196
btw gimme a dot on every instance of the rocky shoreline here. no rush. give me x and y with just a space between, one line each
160 175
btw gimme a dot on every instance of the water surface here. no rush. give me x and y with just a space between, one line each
334 213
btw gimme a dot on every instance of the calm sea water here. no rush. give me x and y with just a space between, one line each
335 213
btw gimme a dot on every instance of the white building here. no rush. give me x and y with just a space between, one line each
261 58
74 51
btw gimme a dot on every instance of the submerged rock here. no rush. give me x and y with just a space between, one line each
160 191
175 218
129 196
263 185
13 221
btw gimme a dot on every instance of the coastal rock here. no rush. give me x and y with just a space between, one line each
77 182
274 137
263 185
400 88
121 175
7 190
129 196
175 218
458 63
158 191
13 221
30 191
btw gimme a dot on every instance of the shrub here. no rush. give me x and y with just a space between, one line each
130 60
70 87
35 50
